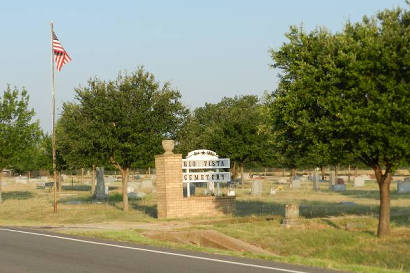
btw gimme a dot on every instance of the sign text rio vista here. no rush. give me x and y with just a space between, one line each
202 166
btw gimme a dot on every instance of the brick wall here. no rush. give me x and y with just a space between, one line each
172 204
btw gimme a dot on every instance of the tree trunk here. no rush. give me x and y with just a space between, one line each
384 181
59 181
82 175
124 173
233 171
93 179
348 174
292 174
242 176
355 171
323 172
283 172
335 170
1 182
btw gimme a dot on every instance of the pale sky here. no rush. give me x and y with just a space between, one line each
206 49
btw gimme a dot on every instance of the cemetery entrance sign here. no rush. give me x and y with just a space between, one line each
205 166
173 172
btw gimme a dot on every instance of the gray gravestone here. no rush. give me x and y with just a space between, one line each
291 215
316 185
99 193
147 184
332 179
136 195
257 187
358 181
339 187
403 186
109 179
295 183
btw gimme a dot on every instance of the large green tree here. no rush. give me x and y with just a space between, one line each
125 121
37 156
347 95
18 131
230 128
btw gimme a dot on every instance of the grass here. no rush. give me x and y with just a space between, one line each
324 262
337 231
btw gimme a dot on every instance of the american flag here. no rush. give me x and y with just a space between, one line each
60 55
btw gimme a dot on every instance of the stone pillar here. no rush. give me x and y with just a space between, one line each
169 181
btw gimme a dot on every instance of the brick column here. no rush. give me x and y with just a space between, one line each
169 181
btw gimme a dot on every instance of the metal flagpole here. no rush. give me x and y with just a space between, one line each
53 112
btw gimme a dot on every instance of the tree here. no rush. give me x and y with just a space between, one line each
75 142
126 120
17 130
231 128
37 155
347 95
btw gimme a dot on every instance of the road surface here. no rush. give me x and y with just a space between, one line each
33 251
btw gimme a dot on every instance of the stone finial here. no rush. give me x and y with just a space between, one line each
168 146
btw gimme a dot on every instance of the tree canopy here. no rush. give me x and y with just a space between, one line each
18 131
230 128
346 96
122 122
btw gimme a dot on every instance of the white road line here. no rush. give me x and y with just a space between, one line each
154 251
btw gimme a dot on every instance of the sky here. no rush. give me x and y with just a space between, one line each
206 49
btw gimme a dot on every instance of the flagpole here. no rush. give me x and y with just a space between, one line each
53 112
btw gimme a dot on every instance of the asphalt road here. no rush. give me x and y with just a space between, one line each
33 251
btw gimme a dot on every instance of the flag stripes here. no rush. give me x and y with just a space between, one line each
60 55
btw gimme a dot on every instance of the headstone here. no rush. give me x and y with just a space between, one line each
147 184
40 185
218 189
135 185
130 189
21 180
291 215
403 187
99 193
231 193
358 181
257 187
332 179
339 187
43 178
316 184
136 195
109 179
295 183
210 186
